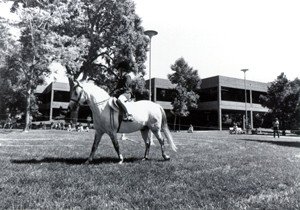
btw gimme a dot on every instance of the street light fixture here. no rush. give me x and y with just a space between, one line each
246 118
150 34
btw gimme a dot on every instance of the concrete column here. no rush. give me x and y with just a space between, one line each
251 108
154 90
251 118
51 111
220 118
219 107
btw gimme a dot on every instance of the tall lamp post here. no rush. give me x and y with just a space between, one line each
150 34
246 118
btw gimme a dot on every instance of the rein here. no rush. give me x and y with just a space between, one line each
78 99
101 102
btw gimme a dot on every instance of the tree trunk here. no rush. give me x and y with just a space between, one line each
73 113
179 121
27 112
174 122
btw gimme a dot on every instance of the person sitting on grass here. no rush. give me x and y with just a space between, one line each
191 129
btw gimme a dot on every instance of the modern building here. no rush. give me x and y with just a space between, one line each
222 102
54 99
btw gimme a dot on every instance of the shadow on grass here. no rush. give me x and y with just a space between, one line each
74 161
277 142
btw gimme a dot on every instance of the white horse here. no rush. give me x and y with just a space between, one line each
146 116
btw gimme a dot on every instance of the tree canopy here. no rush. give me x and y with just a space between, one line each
6 42
282 99
187 83
93 37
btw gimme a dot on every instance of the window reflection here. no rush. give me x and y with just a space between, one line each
234 94
61 96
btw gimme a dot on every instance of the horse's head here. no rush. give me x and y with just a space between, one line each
77 96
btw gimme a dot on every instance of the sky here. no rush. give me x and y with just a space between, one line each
221 37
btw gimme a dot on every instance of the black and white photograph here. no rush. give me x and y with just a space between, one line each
148 104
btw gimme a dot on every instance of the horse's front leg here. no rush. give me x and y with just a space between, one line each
97 140
114 139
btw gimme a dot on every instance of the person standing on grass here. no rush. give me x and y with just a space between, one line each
276 127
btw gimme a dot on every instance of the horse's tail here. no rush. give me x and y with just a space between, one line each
165 129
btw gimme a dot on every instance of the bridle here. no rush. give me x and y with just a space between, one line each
76 101
79 97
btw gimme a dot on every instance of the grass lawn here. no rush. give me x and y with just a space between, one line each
211 170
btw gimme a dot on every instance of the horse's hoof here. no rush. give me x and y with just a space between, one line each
121 158
166 157
145 158
87 162
120 162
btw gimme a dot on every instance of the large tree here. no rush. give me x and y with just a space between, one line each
282 99
187 83
92 37
26 67
10 99
5 38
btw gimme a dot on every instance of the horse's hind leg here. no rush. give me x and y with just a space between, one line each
114 139
161 140
97 139
145 135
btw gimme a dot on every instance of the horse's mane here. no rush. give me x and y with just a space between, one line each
94 90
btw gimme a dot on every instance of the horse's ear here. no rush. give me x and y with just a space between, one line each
80 77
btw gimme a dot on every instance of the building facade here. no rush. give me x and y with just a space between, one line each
222 102
54 99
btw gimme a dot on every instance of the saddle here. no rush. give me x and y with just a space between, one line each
112 102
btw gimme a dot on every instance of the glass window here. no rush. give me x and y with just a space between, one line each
45 98
208 94
232 116
58 114
234 94
61 96
165 94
